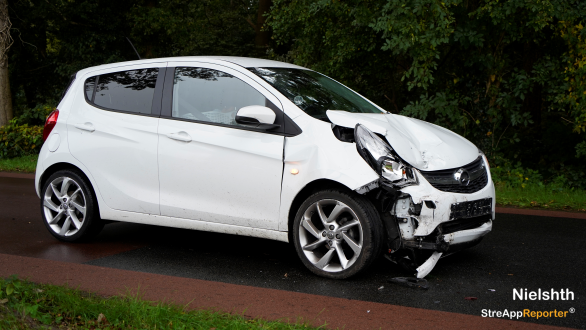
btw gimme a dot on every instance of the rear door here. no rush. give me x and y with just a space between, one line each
211 168
112 130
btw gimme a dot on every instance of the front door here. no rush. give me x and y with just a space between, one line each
211 168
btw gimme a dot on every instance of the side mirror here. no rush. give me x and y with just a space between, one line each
257 116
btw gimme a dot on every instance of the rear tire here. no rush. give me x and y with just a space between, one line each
69 207
337 234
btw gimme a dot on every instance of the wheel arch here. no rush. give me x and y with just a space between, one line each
57 167
67 166
305 192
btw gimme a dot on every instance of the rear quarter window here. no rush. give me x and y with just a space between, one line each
89 88
127 91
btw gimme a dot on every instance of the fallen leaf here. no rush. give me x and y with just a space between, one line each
3 301
102 319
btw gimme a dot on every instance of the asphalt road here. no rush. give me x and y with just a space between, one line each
522 252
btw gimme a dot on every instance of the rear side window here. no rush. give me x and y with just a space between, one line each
129 91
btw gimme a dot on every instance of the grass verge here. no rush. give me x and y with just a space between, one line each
26 305
26 164
542 197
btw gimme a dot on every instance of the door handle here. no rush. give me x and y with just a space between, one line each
180 136
85 126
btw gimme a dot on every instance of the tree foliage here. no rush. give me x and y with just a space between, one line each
54 39
508 75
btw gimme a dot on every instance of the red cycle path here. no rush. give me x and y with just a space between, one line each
250 301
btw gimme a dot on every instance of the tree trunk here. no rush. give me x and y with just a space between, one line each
533 102
5 43
262 37
5 97
149 43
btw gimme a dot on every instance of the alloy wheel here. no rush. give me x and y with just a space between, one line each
64 205
330 235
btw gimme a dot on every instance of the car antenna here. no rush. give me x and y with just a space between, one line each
131 45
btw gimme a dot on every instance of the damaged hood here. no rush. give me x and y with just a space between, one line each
423 145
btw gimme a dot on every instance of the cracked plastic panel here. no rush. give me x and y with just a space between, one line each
431 219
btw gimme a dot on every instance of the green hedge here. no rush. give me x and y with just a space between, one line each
18 140
23 135
516 177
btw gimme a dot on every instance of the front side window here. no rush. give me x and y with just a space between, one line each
211 96
128 91
314 93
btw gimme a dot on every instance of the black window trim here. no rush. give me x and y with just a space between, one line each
71 81
288 127
157 96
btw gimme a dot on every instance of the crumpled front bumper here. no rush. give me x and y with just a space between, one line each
430 218
454 242
435 220
465 236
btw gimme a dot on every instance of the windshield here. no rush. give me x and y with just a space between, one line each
314 93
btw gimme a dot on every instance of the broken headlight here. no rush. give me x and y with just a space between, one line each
382 158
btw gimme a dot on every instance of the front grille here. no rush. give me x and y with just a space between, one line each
473 187
444 180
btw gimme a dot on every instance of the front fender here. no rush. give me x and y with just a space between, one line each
317 154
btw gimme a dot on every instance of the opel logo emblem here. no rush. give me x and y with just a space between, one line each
462 176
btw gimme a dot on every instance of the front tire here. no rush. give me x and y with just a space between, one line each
337 234
69 207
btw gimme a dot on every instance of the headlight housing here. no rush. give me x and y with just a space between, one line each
485 159
382 158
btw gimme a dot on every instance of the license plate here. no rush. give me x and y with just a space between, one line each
471 209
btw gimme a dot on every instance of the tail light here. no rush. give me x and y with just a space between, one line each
50 123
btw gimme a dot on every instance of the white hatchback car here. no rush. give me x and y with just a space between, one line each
260 148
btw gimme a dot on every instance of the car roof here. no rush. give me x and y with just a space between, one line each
247 62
